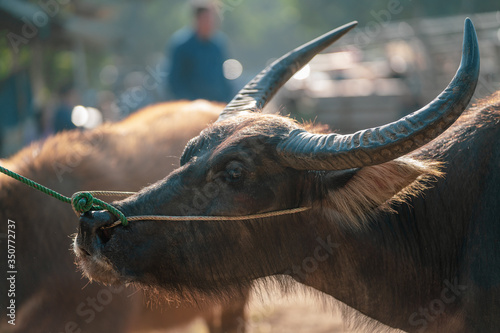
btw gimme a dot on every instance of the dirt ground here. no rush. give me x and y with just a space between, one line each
285 314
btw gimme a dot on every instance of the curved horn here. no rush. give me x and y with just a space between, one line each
256 93
303 150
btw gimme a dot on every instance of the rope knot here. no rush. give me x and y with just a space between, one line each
82 202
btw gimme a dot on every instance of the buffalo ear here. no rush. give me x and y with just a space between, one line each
355 194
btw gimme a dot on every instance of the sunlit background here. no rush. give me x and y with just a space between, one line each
107 58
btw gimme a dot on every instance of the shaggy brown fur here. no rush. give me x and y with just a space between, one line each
379 187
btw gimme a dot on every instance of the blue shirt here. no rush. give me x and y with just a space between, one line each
196 67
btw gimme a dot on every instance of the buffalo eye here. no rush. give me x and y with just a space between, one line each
234 172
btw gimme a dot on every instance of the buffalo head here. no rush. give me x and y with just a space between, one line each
248 163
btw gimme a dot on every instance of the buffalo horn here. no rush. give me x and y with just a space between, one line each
307 151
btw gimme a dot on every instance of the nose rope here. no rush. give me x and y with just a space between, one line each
209 218
82 202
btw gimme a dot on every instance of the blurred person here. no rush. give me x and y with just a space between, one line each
197 55
68 99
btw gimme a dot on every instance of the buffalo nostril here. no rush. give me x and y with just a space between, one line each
92 231
104 234
84 251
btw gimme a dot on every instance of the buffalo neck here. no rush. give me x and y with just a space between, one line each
406 267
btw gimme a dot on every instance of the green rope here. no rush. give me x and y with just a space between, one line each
81 202
35 185
84 201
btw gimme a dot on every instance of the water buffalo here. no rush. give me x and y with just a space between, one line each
402 220
50 295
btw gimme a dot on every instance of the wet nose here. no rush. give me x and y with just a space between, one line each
90 231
